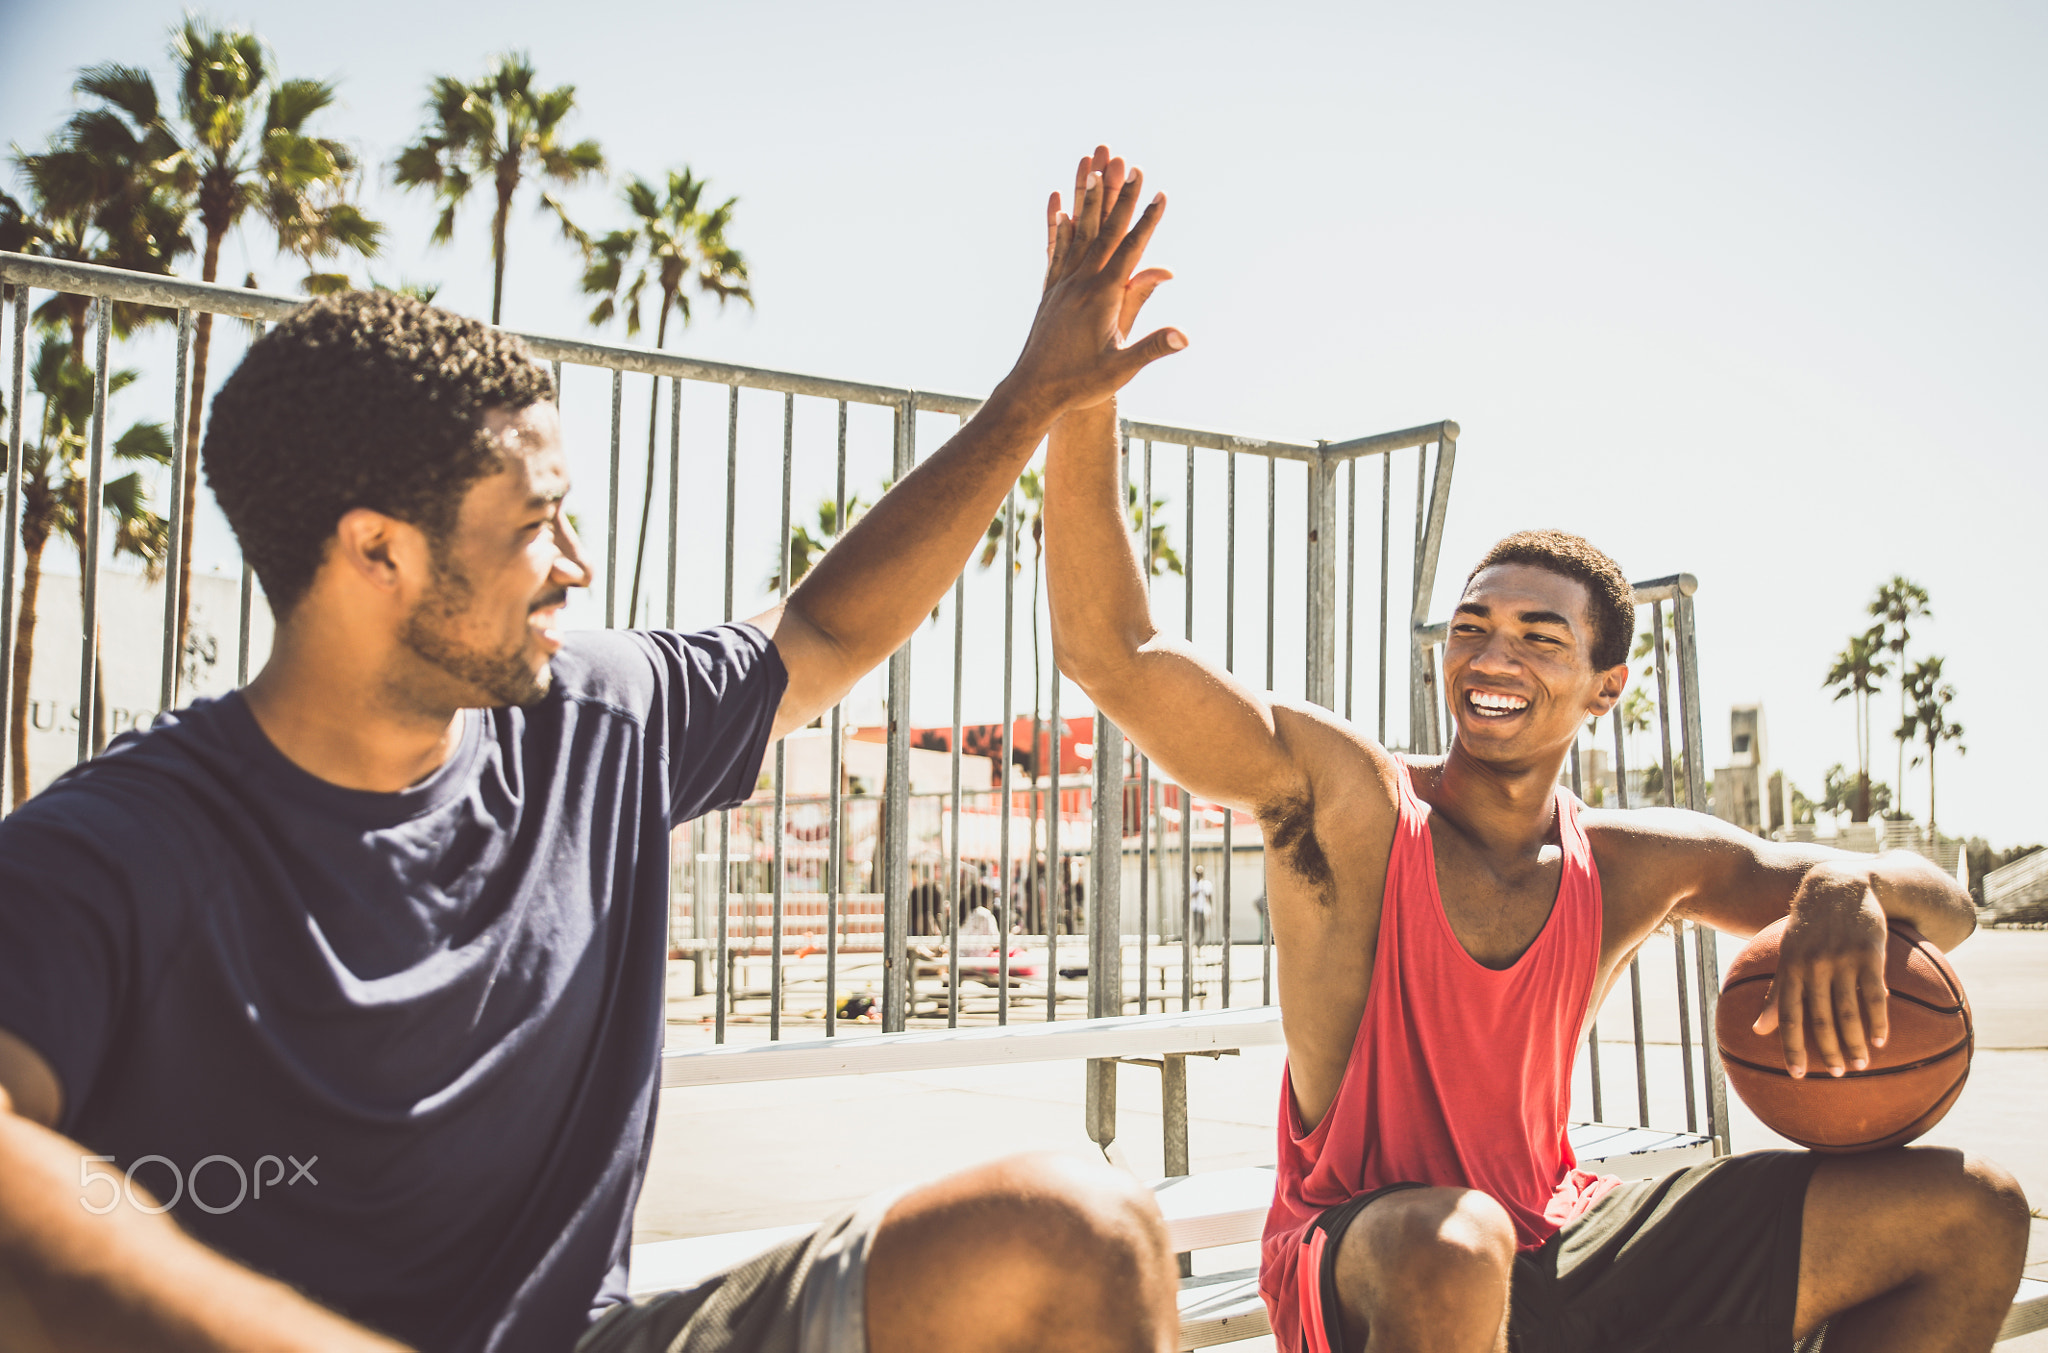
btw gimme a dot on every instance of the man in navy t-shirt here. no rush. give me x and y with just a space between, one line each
357 973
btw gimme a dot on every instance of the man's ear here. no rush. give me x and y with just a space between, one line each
380 551
1612 682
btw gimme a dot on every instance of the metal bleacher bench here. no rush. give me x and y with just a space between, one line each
1202 1211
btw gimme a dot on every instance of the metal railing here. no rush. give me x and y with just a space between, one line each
1675 664
1310 647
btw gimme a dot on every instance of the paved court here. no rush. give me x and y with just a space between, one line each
735 1157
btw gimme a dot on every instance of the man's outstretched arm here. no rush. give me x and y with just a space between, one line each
871 589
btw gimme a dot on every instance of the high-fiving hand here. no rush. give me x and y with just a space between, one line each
1079 353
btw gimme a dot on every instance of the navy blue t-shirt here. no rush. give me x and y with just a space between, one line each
398 1050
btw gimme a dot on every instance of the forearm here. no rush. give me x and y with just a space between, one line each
1913 889
868 593
1095 585
127 1279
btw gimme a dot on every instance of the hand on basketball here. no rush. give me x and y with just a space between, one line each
1829 996
1079 352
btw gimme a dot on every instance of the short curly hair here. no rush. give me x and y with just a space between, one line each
1611 598
366 399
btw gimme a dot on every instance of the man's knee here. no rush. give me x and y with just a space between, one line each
1048 1225
1988 1208
1431 1246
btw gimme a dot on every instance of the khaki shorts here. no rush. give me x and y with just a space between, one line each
807 1295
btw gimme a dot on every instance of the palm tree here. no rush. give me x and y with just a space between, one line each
1856 672
1928 718
679 247
501 129
1897 604
805 549
238 144
102 192
53 485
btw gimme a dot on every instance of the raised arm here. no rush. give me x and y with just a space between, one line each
1830 989
871 589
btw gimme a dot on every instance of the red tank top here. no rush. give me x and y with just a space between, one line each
1459 1074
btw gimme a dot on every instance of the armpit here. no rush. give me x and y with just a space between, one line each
1290 827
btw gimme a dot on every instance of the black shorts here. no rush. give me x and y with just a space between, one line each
1702 1261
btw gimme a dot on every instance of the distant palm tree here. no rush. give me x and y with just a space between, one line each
1927 717
238 144
1635 712
103 192
53 502
805 549
1855 674
1898 603
679 247
499 130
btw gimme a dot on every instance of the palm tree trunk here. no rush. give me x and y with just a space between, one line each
1900 789
1931 837
647 495
202 344
498 248
24 663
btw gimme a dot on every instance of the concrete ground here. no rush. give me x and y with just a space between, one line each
736 1157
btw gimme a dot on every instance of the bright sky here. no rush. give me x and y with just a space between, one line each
1752 291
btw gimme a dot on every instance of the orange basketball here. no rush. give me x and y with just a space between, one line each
1911 1081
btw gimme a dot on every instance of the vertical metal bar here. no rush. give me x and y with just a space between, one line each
781 894
1055 913
1003 914
953 894
896 987
836 833
1272 545
1147 819
1417 696
1173 1097
1429 541
675 489
248 608
1386 532
1229 665
89 549
1105 885
611 523
1663 701
732 480
1350 583
1696 798
1635 1005
18 359
1144 883
1593 1064
1635 971
1578 786
1187 801
1692 1121
167 694
557 368
1322 583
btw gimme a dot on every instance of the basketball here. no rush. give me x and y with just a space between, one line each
1911 1081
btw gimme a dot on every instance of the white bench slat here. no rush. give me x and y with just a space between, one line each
2029 1310
939 1049
1221 1308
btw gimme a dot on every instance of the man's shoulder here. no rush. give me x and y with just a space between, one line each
627 670
145 794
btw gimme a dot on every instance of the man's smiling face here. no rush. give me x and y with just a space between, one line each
1518 664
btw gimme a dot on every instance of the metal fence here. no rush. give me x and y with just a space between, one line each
1670 780
720 495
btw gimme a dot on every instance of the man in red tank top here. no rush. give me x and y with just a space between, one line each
1444 928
